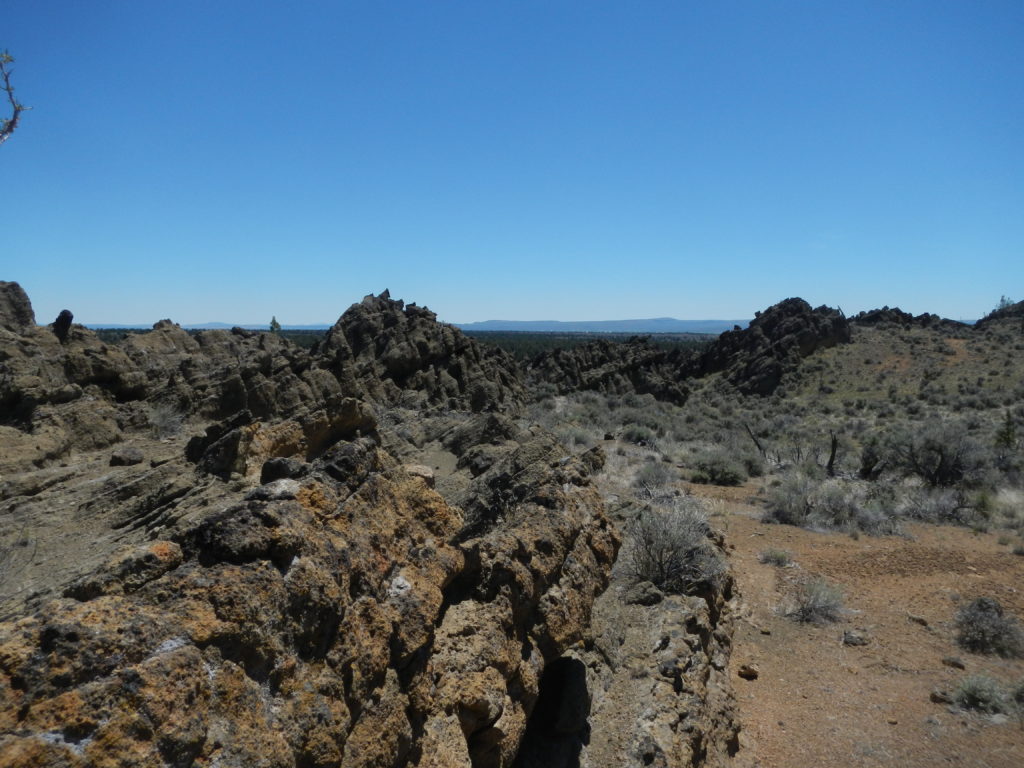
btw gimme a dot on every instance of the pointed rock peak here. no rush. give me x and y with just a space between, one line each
15 308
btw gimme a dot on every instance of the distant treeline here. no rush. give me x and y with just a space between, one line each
528 344
521 344
304 339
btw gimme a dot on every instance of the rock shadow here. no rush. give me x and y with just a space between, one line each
558 728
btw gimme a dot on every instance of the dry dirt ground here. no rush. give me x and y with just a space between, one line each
817 702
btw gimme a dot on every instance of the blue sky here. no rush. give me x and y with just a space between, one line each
516 160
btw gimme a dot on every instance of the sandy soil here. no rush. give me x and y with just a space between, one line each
817 702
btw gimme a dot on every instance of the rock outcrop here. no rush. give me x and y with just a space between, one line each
15 308
394 353
894 316
322 621
754 359
59 396
208 557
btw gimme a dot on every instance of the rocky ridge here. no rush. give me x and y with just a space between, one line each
277 590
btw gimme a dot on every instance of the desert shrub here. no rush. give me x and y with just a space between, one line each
789 501
818 602
165 420
670 548
651 476
830 504
780 558
941 454
984 627
646 417
1017 696
872 460
639 434
935 505
753 464
716 468
982 693
572 436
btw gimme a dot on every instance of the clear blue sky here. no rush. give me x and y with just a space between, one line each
516 160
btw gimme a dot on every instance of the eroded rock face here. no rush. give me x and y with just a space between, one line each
400 354
337 623
278 590
58 396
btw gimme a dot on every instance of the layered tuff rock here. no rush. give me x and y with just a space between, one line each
320 621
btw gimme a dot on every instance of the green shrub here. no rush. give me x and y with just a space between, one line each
753 464
940 453
818 602
640 435
780 558
670 548
984 627
718 469
788 501
982 693
653 475
830 505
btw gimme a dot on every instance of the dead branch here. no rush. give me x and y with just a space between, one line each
9 124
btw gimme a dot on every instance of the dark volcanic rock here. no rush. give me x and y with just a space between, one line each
281 591
284 401
616 368
319 622
62 325
897 317
754 359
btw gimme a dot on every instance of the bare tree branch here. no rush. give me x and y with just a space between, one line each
9 124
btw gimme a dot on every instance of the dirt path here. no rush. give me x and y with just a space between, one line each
818 702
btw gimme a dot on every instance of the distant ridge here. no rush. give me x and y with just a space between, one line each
651 325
